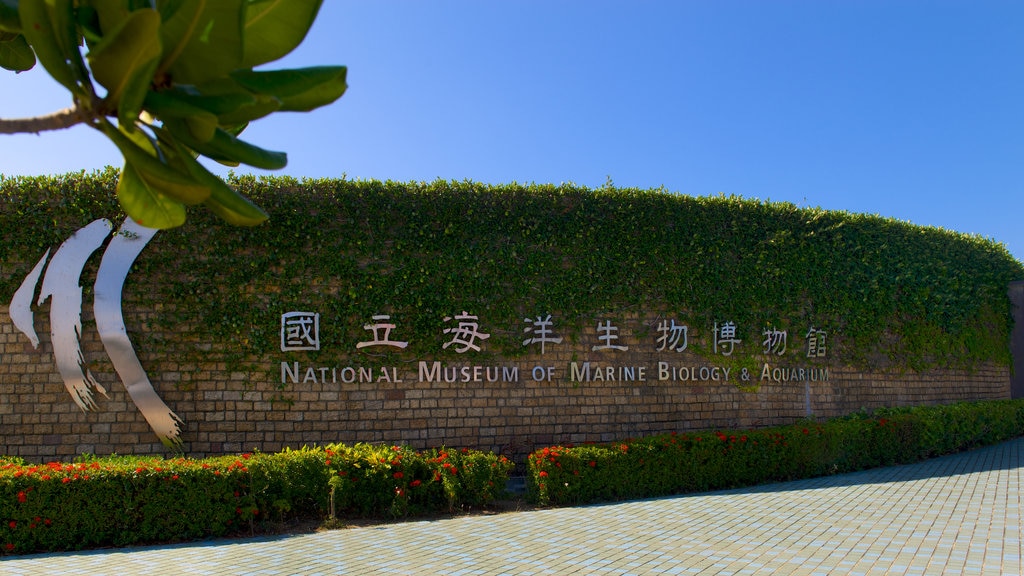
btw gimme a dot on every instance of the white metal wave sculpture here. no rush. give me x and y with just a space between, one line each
62 283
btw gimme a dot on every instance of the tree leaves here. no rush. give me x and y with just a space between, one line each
273 28
298 90
9 19
48 25
224 146
145 204
125 60
15 53
202 39
155 169
178 78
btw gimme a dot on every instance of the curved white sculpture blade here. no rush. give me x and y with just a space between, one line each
117 260
21 304
62 283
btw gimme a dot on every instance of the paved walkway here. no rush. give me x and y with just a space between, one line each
954 515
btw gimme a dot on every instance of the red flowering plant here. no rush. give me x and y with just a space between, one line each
120 500
697 461
375 480
481 477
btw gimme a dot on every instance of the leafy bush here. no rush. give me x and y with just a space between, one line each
120 500
676 463
887 291
373 480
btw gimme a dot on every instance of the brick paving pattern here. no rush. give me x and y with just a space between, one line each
958 514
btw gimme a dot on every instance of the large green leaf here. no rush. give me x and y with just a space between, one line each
273 28
145 204
15 53
156 172
260 106
111 13
202 39
44 32
224 201
125 60
168 104
234 208
65 26
299 90
213 102
225 147
229 100
232 108
9 20
89 25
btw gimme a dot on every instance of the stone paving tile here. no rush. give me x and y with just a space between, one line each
959 514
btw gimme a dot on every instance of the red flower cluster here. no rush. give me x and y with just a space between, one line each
238 465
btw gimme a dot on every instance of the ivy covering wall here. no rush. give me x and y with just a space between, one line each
890 293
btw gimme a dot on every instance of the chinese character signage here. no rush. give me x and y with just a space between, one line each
381 330
462 334
300 331
542 332
465 334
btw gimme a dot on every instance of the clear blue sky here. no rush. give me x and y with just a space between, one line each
907 109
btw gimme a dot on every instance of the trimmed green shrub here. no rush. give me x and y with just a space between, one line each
117 500
700 461
372 480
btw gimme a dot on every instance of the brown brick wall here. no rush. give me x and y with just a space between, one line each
227 411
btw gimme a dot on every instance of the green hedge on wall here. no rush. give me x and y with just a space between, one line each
889 292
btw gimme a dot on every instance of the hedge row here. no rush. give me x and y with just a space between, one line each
678 463
121 500
887 291
118 500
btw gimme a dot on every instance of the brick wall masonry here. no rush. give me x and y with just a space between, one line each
231 411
